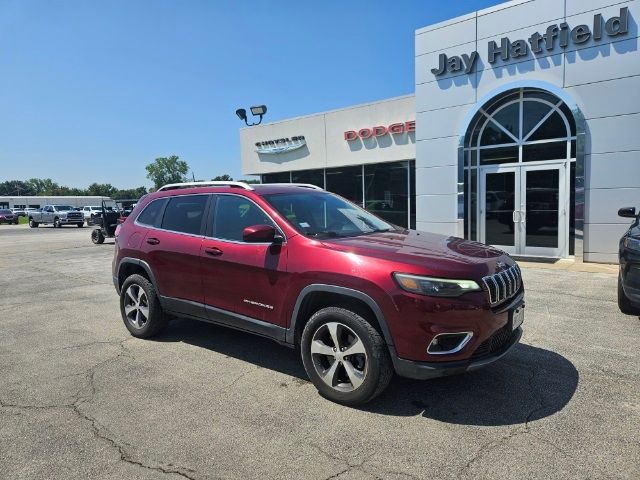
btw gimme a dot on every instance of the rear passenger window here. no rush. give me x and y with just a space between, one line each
149 215
184 214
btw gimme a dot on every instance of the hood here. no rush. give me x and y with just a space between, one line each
426 253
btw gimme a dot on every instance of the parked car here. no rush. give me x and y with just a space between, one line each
7 216
91 212
19 212
629 274
56 215
360 297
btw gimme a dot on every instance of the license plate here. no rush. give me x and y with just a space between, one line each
517 317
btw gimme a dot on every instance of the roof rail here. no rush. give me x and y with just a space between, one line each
303 185
173 186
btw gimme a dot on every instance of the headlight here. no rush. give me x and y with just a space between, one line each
632 243
435 287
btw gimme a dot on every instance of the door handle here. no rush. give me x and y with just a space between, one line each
153 241
513 216
213 251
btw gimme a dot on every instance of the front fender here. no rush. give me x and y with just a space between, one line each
349 292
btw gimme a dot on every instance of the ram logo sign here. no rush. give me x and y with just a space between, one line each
281 145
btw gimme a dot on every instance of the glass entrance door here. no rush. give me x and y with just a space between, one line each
523 211
542 215
500 193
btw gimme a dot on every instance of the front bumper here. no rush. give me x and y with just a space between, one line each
426 370
72 220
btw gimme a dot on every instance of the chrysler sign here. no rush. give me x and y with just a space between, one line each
281 145
555 36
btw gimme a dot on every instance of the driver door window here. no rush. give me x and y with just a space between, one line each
232 214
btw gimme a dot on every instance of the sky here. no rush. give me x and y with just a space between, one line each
94 90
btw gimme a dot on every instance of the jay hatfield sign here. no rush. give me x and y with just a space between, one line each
380 130
281 145
555 36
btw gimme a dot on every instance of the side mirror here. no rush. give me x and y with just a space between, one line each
260 234
627 212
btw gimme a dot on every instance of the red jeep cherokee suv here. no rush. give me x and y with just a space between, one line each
360 297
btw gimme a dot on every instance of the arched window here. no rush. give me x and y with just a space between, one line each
523 125
517 128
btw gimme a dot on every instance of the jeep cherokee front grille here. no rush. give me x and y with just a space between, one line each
503 285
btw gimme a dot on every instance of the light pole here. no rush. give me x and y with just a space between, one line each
258 110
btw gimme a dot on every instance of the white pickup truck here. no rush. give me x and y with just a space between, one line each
56 215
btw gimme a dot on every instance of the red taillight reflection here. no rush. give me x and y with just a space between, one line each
118 228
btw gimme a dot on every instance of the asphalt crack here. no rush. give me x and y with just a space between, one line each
99 431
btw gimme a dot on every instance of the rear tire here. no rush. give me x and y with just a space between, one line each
140 308
33 224
624 304
349 379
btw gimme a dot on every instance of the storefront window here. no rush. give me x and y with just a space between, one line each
281 177
390 188
491 156
314 177
387 191
347 182
544 151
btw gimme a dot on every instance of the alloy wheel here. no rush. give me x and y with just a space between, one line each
136 306
339 356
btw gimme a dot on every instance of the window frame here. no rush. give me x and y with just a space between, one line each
210 221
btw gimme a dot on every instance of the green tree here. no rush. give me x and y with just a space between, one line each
223 178
16 187
167 170
130 193
101 189
44 186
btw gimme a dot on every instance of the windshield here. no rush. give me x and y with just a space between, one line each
63 208
5 212
326 215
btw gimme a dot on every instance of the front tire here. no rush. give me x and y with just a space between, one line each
79 225
56 223
97 237
140 307
33 224
345 357
624 304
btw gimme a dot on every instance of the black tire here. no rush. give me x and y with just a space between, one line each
16 222
97 237
624 304
79 225
378 370
33 224
156 320
56 223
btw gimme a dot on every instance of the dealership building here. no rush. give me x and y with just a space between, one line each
523 132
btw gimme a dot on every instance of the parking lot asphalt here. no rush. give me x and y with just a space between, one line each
82 399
